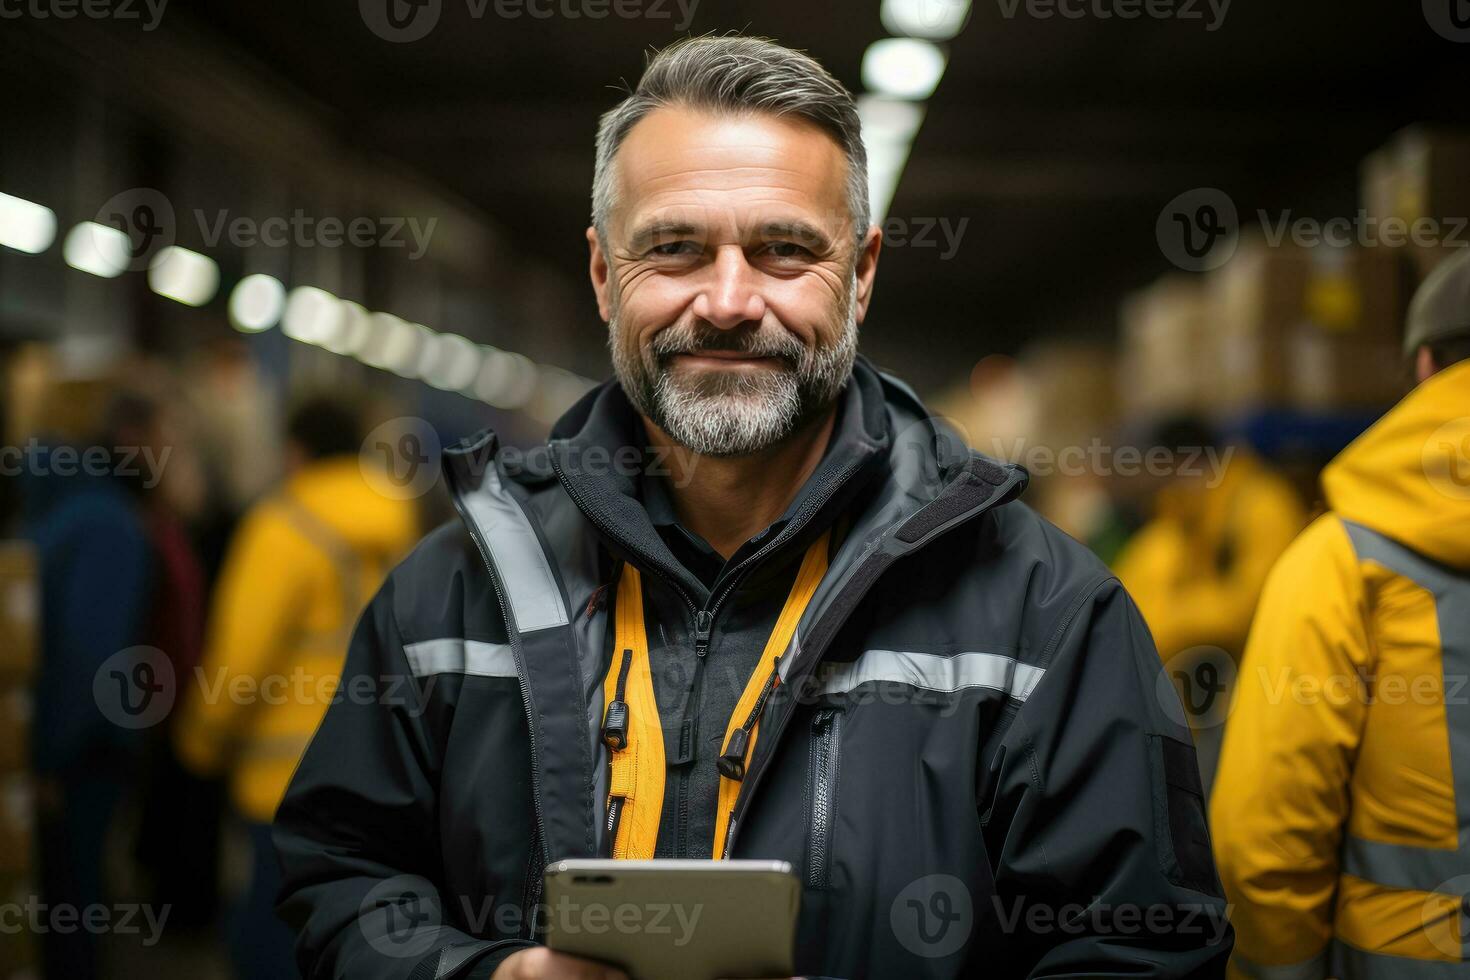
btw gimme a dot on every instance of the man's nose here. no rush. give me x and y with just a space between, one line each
730 294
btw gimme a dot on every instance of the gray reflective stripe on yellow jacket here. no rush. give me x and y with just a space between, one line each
1417 868
1018 759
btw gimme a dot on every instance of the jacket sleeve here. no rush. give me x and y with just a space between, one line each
256 604
1280 798
1096 828
357 834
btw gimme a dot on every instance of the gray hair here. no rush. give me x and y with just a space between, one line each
736 75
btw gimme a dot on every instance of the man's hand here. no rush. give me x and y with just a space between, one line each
542 964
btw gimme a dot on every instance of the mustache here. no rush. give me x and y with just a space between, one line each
755 342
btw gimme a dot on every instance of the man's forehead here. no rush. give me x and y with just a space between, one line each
698 167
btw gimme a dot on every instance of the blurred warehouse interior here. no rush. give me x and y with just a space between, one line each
238 205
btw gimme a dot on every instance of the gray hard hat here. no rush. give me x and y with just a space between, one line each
1441 307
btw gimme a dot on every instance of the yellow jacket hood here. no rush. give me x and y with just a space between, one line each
1408 477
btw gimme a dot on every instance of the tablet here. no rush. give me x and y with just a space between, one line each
675 920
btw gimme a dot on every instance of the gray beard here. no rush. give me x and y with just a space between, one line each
731 414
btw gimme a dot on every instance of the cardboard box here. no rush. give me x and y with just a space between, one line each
17 820
1421 180
15 729
20 611
18 948
1306 328
1166 365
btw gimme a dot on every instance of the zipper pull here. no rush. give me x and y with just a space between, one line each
821 720
704 621
732 761
615 722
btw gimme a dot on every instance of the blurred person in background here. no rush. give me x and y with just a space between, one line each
96 568
1342 812
1196 568
179 826
298 572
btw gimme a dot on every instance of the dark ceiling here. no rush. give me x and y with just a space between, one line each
1058 141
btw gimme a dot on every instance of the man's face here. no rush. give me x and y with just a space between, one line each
732 283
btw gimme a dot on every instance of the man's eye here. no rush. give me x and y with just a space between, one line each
787 250
671 249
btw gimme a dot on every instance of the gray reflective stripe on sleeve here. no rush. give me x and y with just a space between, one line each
1417 869
520 564
1356 964
1407 867
451 655
931 672
1312 969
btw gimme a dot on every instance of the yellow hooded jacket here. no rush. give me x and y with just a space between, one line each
1196 570
1341 812
299 570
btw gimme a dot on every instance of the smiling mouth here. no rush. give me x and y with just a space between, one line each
728 356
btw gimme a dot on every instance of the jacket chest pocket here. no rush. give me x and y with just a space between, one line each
823 773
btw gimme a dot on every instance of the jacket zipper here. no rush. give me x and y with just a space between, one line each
826 746
704 616
539 841
812 654
615 736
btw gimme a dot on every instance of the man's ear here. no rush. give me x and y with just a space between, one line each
599 271
866 268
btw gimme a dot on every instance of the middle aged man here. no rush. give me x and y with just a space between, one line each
750 602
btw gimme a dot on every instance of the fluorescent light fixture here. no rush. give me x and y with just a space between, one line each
312 315
937 20
889 120
450 362
885 167
101 250
353 330
183 276
903 67
26 226
403 347
256 303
